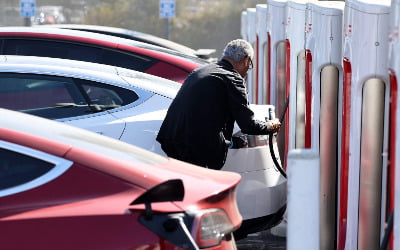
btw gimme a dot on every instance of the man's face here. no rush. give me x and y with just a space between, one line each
244 66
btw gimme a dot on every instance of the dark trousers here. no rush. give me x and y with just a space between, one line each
187 154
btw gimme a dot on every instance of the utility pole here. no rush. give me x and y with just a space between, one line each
167 28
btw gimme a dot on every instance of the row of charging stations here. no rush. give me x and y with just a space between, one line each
335 64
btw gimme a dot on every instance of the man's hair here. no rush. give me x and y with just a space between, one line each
237 50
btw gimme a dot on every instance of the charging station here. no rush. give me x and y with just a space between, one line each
276 63
363 163
323 81
295 73
394 140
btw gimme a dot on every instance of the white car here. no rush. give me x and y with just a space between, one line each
130 106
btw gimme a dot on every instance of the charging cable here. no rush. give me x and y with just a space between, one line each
270 139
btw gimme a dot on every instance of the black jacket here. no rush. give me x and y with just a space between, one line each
200 119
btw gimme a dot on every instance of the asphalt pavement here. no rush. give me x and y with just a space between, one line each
272 239
263 240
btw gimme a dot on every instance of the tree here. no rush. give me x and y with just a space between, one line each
108 13
212 25
198 23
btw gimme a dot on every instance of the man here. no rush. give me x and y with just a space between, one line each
199 123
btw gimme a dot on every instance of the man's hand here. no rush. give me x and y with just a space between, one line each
273 125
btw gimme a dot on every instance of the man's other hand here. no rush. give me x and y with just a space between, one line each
238 142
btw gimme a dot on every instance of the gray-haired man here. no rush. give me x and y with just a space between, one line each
199 123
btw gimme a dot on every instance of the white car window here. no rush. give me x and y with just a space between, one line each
56 97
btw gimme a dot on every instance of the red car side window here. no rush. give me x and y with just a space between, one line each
17 168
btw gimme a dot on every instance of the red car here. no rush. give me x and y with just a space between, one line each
137 36
98 48
62 187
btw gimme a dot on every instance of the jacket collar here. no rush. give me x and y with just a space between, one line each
226 64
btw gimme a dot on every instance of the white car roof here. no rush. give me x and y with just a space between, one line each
89 71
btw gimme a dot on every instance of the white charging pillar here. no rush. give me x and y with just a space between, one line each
322 111
295 72
276 18
394 123
276 65
364 124
303 200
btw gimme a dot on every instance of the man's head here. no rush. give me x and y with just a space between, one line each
239 53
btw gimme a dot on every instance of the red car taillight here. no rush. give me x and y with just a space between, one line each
210 227
191 230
